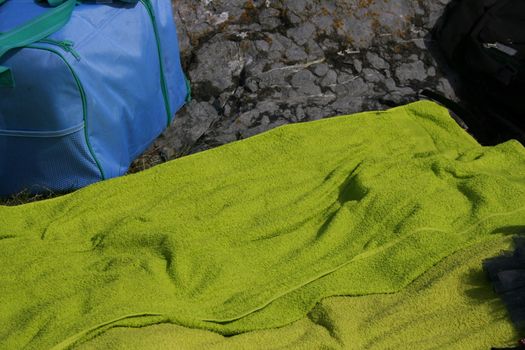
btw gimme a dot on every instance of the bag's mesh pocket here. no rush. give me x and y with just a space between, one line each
45 164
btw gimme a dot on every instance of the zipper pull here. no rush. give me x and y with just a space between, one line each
502 48
67 45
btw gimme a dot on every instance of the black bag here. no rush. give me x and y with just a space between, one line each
484 40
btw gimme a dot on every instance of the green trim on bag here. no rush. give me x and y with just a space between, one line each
188 89
31 32
164 86
6 77
42 134
59 2
84 105
55 2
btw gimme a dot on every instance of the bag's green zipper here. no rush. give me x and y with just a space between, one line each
188 89
151 12
66 45
81 90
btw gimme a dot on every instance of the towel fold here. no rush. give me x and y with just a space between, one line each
451 307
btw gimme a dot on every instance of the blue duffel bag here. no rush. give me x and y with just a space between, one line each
85 87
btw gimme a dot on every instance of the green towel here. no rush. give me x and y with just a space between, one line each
253 234
449 307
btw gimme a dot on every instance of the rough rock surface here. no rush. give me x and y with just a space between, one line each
255 65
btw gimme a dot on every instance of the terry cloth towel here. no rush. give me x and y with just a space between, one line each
451 306
253 234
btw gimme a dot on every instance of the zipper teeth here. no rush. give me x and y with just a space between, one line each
164 86
65 45
84 104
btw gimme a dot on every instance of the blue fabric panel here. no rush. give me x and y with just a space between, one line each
88 20
55 102
119 63
116 65
25 11
45 163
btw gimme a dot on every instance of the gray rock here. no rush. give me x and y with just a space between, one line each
286 42
446 89
324 24
227 110
267 107
275 55
167 153
301 34
314 51
273 77
411 71
248 118
276 45
358 65
347 105
372 76
376 61
219 63
295 54
314 113
435 10
293 18
264 123
390 84
262 45
252 85
304 82
357 87
296 6
269 18
321 99
329 45
302 77
321 69
343 78
329 79
396 97
187 128
420 43
299 113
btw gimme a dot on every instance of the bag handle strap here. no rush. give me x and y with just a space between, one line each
32 31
